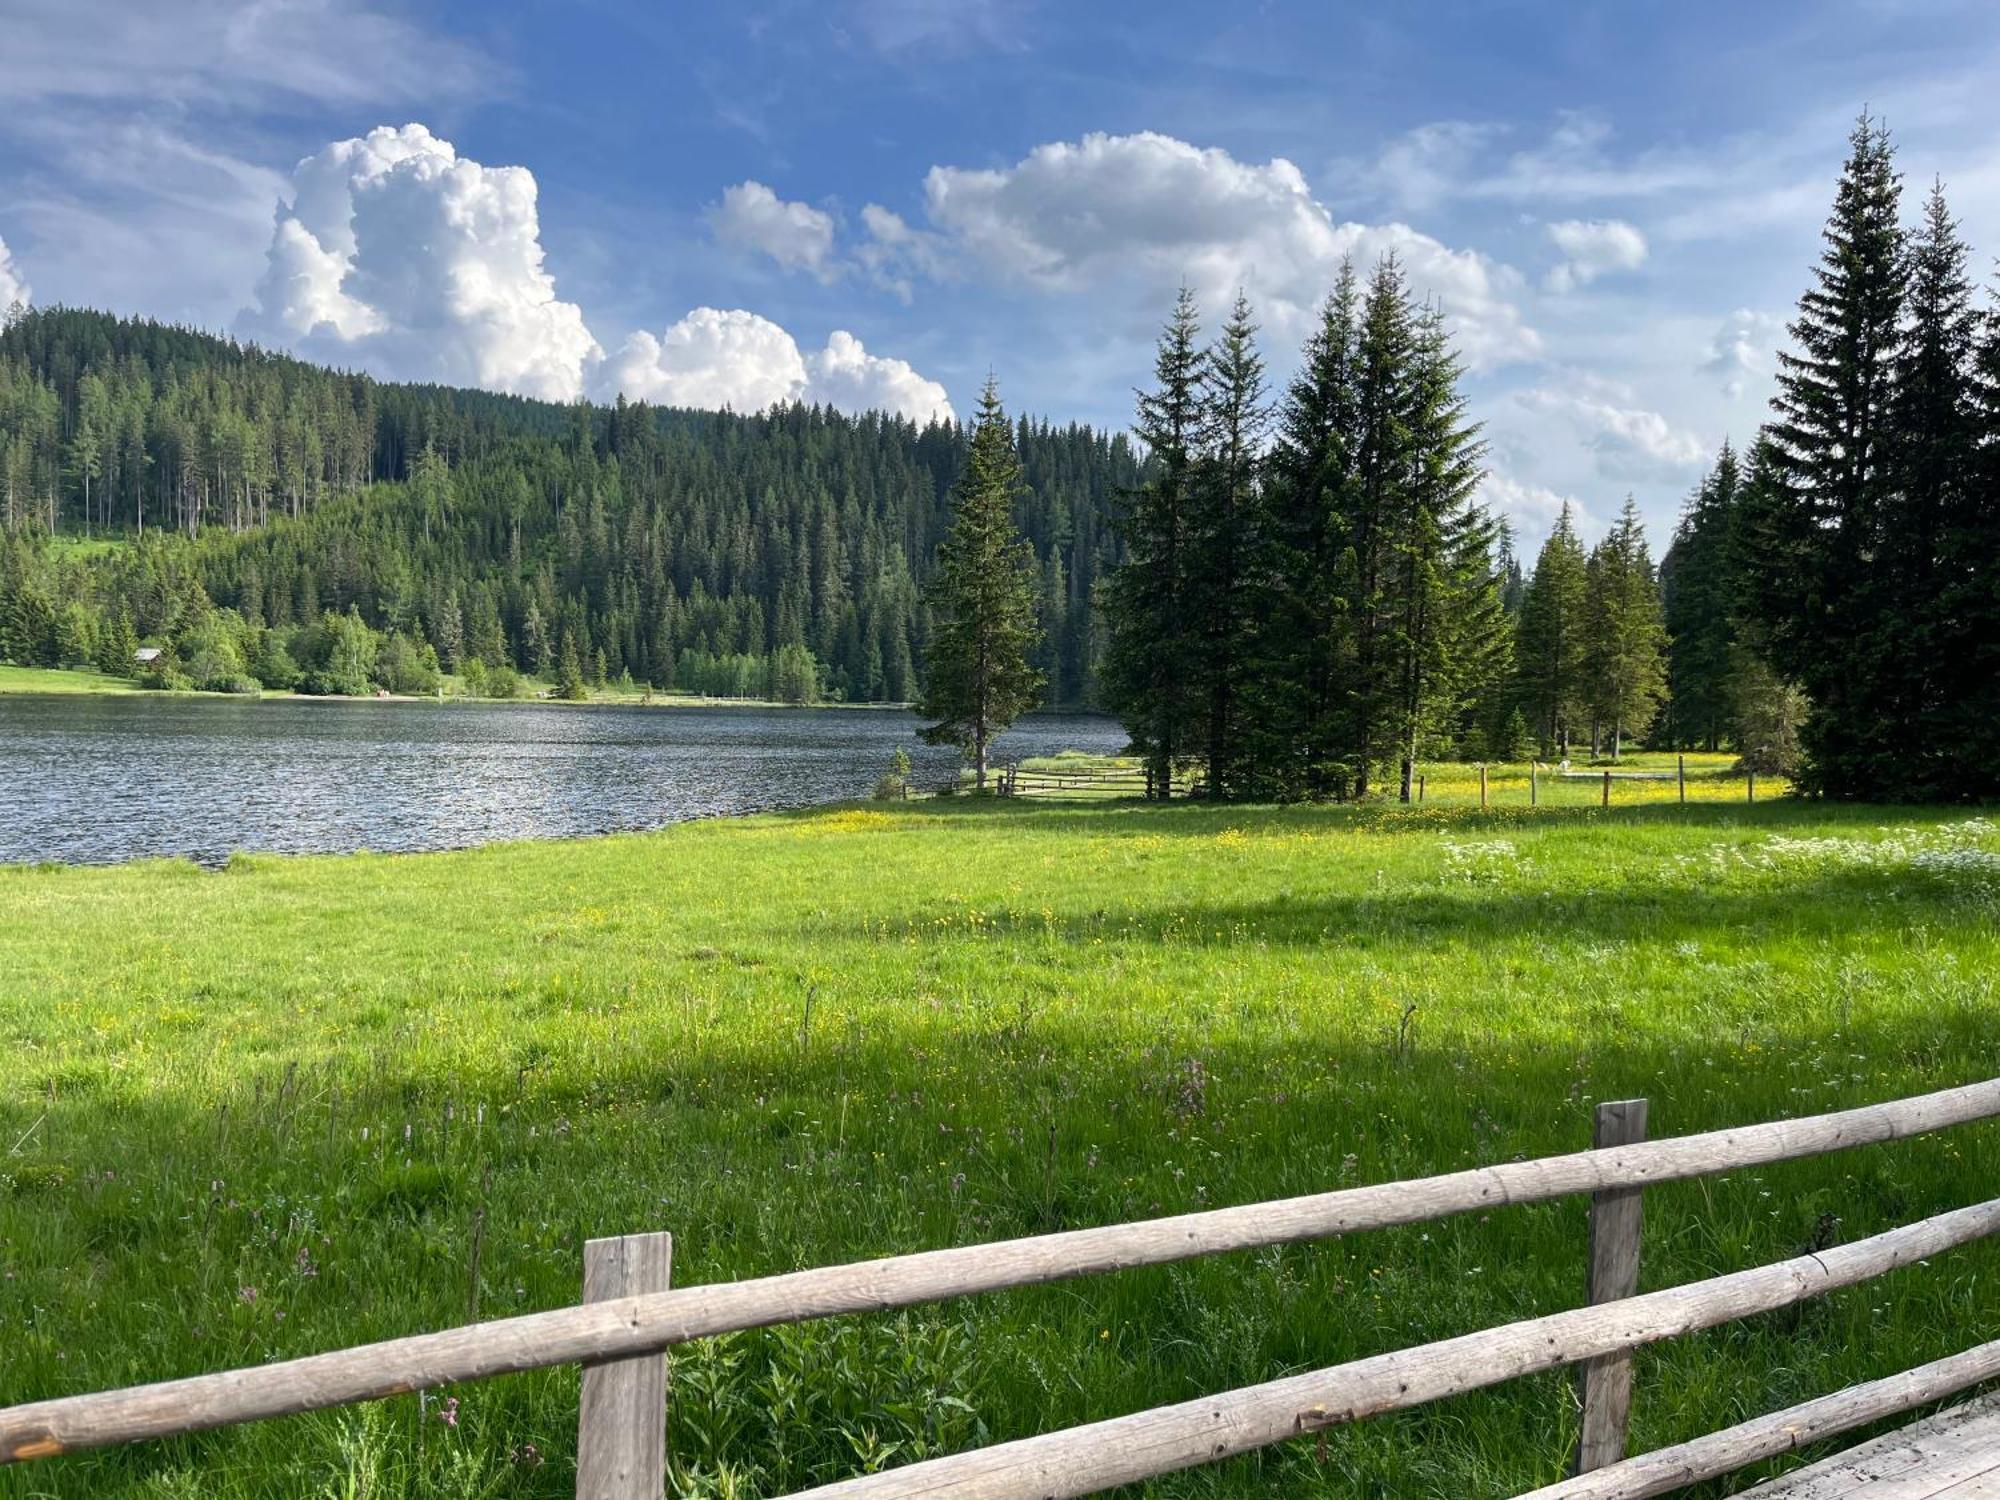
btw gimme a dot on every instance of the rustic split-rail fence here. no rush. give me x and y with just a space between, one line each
630 1316
1112 779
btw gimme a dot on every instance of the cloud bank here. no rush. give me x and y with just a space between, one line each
736 359
399 254
1149 212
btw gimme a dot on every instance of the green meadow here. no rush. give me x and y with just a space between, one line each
297 1104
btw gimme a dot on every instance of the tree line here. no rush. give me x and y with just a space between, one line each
1313 598
784 553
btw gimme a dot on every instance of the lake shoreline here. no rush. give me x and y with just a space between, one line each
106 778
64 682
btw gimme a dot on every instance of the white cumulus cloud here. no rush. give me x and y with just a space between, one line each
1532 508
13 285
712 359
1627 441
1149 212
1742 348
845 375
1592 248
797 236
400 253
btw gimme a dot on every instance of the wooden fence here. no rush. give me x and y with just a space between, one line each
1106 779
629 1318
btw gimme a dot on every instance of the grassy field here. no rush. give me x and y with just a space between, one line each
297 1104
86 680
60 680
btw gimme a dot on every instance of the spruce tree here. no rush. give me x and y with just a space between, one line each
1625 641
1302 625
1367 576
1921 557
1222 547
1549 638
1700 594
1969 592
1149 658
1448 631
982 598
1829 619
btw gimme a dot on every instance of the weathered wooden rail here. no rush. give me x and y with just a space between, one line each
629 1318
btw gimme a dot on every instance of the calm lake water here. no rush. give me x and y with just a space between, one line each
99 779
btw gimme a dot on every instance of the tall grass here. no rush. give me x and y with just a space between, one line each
267 1111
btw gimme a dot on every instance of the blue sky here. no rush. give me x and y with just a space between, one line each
879 201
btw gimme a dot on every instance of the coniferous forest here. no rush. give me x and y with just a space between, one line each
295 527
1314 600
1283 593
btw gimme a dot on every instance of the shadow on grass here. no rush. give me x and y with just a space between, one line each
1136 817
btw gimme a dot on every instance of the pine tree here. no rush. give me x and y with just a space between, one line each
1936 417
1222 547
982 598
1549 637
1830 623
1368 578
1448 633
1302 619
117 647
1700 591
1625 641
1969 591
1149 656
569 671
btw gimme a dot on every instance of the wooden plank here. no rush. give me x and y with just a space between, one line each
1605 1384
1127 1450
1955 1453
621 1417
645 1325
1718 1453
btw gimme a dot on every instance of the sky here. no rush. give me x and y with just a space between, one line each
880 203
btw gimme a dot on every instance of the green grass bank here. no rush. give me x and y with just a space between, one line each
303 1103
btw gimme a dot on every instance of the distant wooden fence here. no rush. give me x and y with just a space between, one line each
1123 779
1119 780
629 1318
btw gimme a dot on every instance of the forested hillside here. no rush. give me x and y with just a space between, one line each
265 505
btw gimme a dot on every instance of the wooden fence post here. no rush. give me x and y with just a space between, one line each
1605 1383
1482 784
1421 782
1681 775
1753 783
1534 783
621 1420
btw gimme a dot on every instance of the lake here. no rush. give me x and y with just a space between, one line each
101 779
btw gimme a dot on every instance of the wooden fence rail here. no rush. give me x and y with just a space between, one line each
1125 1450
623 1326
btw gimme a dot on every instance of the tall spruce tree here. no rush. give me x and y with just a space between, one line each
1830 621
1149 659
1367 576
1302 628
1448 631
1625 649
982 596
1223 541
1549 637
1700 588
1936 419
1970 590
